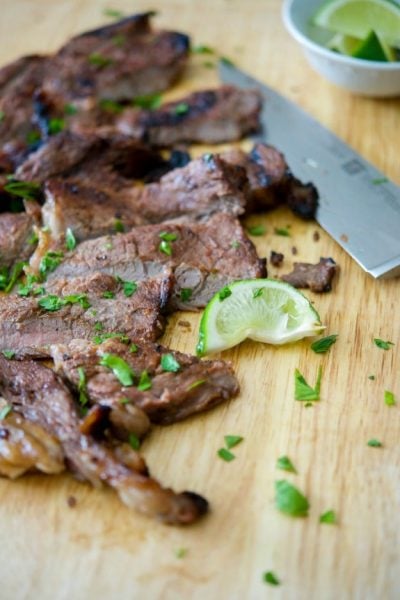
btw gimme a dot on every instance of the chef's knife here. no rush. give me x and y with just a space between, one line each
359 207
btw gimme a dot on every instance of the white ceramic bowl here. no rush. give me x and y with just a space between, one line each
369 78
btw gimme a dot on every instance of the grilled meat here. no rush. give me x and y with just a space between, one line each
15 234
181 385
39 396
81 307
203 257
210 116
316 277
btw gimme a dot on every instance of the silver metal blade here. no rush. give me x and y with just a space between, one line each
359 207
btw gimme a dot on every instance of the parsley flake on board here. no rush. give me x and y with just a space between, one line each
169 363
379 180
226 455
113 13
285 464
328 517
382 344
257 292
224 293
134 441
371 377
232 440
202 49
374 443
283 231
119 367
5 411
271 578
181 552
389 398
290 500
256 230
303 391
321 346
70 240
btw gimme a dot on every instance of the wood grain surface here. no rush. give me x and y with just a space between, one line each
100 549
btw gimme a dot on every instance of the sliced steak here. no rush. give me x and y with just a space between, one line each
224 114
204 187
80 308
189 387
316 277
272 182
15 233
26 446
203 257
39 396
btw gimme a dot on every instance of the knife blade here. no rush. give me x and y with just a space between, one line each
358 206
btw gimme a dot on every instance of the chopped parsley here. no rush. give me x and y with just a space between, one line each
70 240
119 226
55 126
271 578
257 292
70 109
374 443
224 293
290 500
98 60
181 109
235 244
186 294
165 247
113 13
169 363
134 441
144 381
284 231
148 101
50 262
82 389
108 295
232 440
99 339
5 411
98 326
227 61
379 180
33 239
285 464
328 517
371 377
166 239
382 344
208 64
13 277
124 400
303 391
321 346
195 384
256 230
389 398
8 353
168 236
226 455
181 552
202 49
133 348
110 106
122 371
23 189
27 288
129 287
52 303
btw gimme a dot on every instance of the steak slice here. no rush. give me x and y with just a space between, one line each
39 396
316 277
26 446
272 182
15 232
224 114
202 188
190 387
203 256
80 308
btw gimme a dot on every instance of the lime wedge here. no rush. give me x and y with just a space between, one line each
345 44
372 48
357 18
265 310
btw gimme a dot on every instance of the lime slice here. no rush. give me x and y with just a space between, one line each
345 44
372 48
265 310
358 17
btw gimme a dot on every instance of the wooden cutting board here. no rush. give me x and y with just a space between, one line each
99 549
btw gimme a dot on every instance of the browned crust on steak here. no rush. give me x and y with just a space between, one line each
15 231
316 277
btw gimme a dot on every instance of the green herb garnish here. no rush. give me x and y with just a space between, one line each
119 367
25 289
374 443
144 381
371 377
226 455
134 441
224 293
108 295
257 292
99 339
202 49
70 240
328 517
186 294
235 244
303 391
181 109
389 398
98 60
113 13
8 353
181 552
285 464
271 578
52 303
256 230
290 500
55 126
129 288
379 180
169 363
23 189
168 236
5 411
227 61
82 389
165 247
111 106
321 346
232 440
33 137
382 344
14 275
133 348
50 262
148 102
33 238
70 109
282 231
